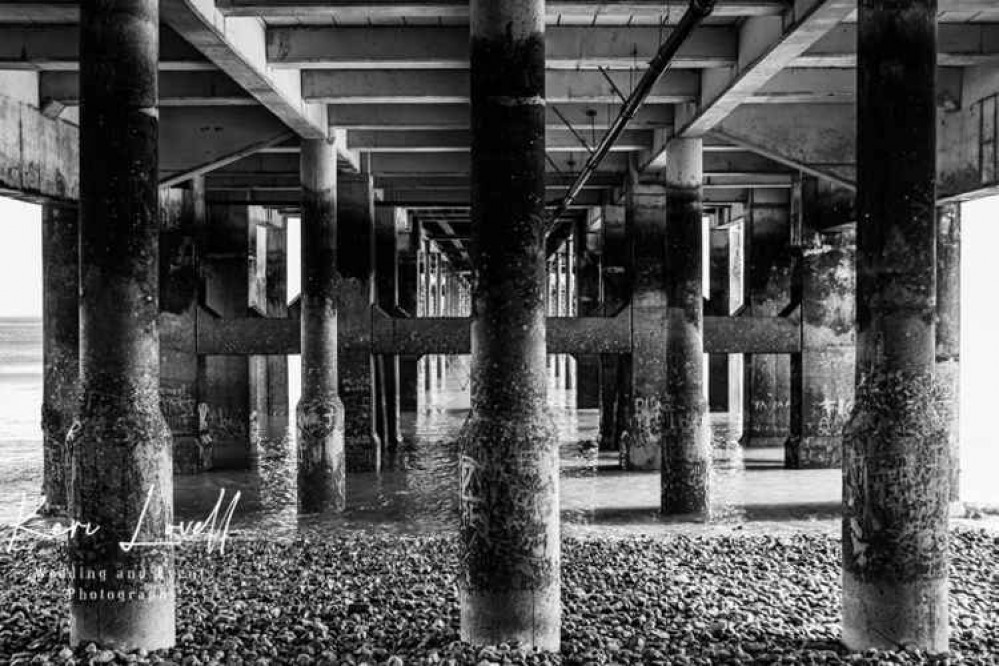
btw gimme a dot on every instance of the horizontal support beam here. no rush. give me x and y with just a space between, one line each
415 117
429 86
446 47
452 335
39 156
450 141
183 89
958 45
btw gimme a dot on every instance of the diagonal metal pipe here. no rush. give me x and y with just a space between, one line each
696 12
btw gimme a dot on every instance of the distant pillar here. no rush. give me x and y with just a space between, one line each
509 581
650 319
121 444
719 305
60 346
948 332
276 459
686 437
387 282
320 413
355 292
822 375
182 228
587 305
409 275
896 466
767 416
615 369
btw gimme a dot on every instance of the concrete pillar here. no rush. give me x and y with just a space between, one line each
587 305
121 445
509 581
570 307
896 465
320 412
646 210
767 415
615 381
718 305
387 288
409 276
224 387
822 375
686 437
356 293
277 470
60 346
182 228
948 332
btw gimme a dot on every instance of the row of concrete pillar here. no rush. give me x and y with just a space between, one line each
896 447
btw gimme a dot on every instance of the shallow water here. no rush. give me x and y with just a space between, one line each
418 493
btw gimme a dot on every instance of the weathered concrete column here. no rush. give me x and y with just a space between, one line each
948 332
387 288
719 305
356 294
646 210
121 446
320 412
509 582
409 276
182 228
896 465
60 346
686 437
767 414
822 375
587 305
276 459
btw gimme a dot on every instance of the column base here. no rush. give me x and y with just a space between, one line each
823 452
124 625
892 615
532 617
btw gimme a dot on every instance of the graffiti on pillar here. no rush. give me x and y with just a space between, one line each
204 436
833 414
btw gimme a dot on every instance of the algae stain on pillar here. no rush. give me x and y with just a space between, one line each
509 581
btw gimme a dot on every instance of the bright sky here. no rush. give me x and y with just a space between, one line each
20 259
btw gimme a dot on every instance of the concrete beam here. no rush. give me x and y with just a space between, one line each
452 87
566 335
459 141
416 117
958 45
645 12
177 89
39 156
57 48
237 46
766 47
437 47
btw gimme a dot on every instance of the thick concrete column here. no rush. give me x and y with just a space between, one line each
822 375
896 465
121 446
320 412
509 581
356 294
646 210
767 415
387 288
615 370
60 346
686 437
587 305
409 276
948 332
182 227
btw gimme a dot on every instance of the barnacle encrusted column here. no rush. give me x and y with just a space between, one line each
60 345
686 438
896 462
121 446
646 213
509 579
321 467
